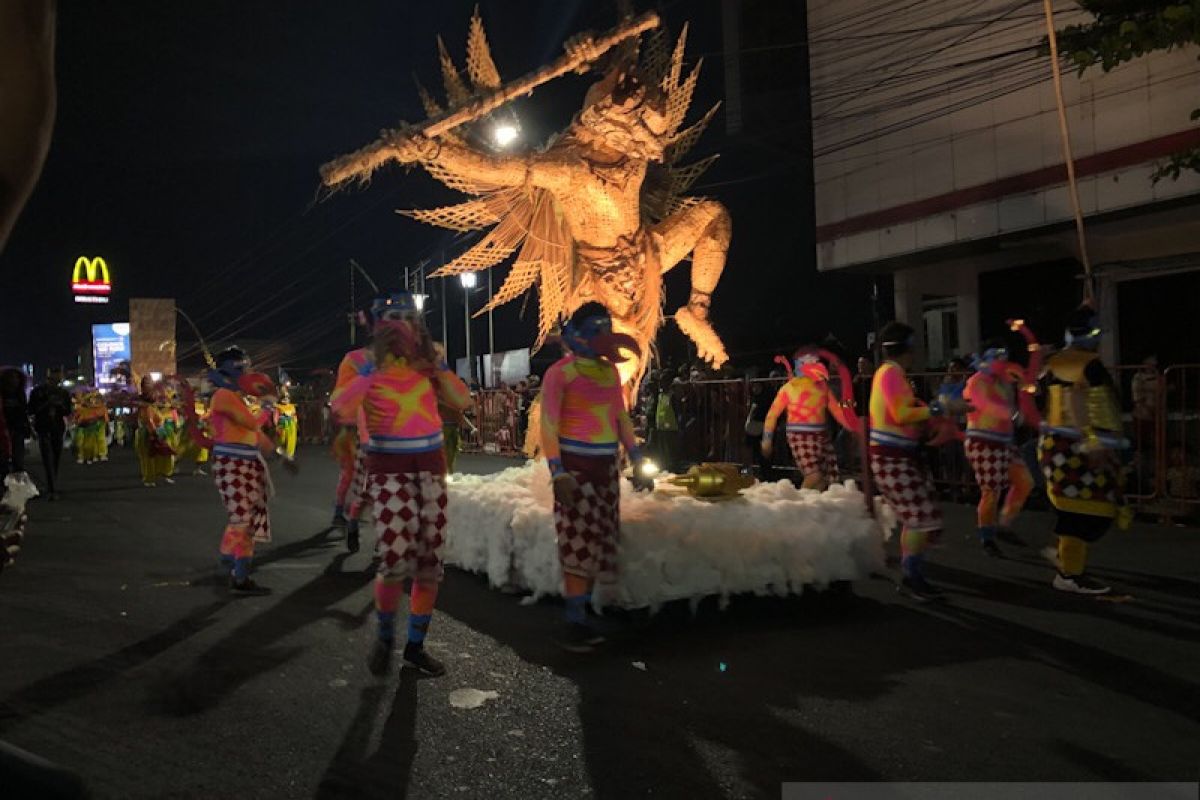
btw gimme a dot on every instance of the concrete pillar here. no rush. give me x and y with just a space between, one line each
1110 342
968 313
909 310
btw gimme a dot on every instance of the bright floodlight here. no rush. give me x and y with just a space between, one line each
468 280
504 134
419 299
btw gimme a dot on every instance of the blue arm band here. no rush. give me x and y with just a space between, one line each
556 467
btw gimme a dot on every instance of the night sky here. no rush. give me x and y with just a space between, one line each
189 136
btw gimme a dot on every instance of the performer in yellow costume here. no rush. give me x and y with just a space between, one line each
1079 451
286 423
91 427
190 446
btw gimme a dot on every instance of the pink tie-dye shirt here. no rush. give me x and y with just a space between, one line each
583 409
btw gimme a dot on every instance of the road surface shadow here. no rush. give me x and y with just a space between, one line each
715 682
385 773
65 687
251 649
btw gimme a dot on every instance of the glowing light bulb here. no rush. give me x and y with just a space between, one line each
504 134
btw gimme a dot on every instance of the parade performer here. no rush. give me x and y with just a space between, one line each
453 421
91 427
398 387
584 422
351 497
156 457
345 452
807 401
238 468
1079 447
898 421
990 446
285 423
192 446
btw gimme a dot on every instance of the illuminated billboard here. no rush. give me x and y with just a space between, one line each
90 280
110 346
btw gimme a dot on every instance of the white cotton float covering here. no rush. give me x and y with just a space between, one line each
774 539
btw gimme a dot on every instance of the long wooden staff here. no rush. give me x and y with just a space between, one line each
365 160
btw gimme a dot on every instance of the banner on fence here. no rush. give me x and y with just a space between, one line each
506 368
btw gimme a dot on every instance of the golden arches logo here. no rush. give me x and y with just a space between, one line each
91 276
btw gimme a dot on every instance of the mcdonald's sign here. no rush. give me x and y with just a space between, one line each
90 281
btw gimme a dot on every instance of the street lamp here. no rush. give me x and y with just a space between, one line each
468 280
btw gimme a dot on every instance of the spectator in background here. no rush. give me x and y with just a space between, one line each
16 418
760 404
663 420
950 460
1146 390
50 405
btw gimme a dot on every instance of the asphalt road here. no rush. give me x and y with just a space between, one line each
124 660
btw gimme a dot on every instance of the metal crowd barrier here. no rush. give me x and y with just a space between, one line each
499 423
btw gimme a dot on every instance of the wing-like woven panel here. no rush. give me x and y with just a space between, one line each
480 67
456 90
497 245
671 79
686 139
680 99
471 215
682 178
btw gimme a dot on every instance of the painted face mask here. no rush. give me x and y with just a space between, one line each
229 370
809 365
993 361
594 338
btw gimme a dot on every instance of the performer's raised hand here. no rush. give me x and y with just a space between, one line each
767 447
385 341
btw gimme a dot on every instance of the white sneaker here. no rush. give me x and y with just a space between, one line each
170 481
1079 584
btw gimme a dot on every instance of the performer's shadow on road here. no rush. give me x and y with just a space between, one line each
353 773
720 689
252 648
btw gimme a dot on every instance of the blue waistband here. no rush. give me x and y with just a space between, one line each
405 444
892 440
989 436
589 448
235 450
805 427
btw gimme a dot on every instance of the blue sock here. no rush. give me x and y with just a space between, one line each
418 626
913 566
387 625
987 533
241 568
226 561
577 609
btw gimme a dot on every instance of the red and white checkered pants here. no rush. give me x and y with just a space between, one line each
410 517
588 528
991 462
813 452
357 495
908 489
242 483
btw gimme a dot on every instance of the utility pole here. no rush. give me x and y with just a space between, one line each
491 326
467 326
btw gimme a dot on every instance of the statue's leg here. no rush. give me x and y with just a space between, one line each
704 230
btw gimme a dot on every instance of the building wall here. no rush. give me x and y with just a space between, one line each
934 124
152 336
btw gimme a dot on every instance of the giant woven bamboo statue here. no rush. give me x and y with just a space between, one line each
599 214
